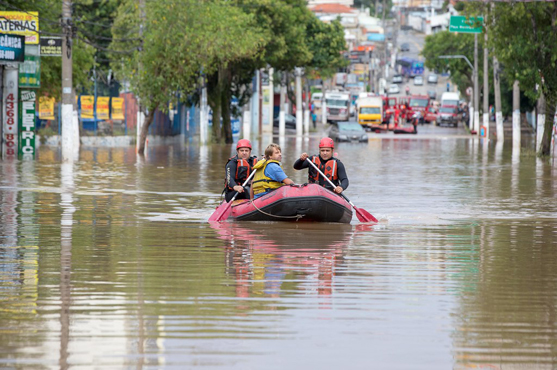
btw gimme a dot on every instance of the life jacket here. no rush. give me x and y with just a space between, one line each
329 169
243 170
261 183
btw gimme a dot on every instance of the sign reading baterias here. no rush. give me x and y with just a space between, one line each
12 48
27 124
21 23
51 46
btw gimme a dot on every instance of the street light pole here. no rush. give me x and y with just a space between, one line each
475 94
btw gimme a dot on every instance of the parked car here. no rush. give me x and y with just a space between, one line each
348 131
394 89
405 46
397 79
432 94
448 115
289 121
418 80
432 79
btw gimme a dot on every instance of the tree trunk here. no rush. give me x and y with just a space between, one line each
145 130
225 106
545 147
497 90
213 94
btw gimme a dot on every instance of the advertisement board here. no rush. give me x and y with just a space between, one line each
102 107
87 107
51 46
12 48
21 23
118 109
27 124
30 72
9 107
46 108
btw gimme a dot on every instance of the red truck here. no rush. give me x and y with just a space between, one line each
420 103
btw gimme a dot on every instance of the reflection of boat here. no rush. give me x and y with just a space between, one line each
260 255
309 202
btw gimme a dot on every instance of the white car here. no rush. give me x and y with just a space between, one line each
418 80
394 89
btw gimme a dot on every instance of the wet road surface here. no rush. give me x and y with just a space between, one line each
109 262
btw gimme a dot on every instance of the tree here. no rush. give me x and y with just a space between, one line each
524 36
182 39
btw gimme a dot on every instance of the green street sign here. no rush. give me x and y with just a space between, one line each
462 24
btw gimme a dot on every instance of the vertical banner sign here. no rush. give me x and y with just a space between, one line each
87 107
102 108
27 124
46 108
118 109
10 97
30 72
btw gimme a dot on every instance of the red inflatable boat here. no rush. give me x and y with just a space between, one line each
308 202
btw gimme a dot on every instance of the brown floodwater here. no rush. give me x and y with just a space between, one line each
109 262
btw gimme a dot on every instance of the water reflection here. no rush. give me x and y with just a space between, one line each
267 259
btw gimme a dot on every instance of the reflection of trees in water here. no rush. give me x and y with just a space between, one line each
509 321
270 259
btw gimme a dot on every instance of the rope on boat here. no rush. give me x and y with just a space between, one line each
297 217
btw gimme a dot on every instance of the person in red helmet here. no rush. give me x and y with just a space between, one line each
330 166
238 169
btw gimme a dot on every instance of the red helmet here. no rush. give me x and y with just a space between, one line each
244 143
327 142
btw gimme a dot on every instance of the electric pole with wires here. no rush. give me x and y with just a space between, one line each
70 125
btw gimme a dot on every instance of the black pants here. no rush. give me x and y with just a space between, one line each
229 194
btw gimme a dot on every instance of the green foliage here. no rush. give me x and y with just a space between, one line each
447 43
326 43
524 36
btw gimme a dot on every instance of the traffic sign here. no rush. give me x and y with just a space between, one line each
463 24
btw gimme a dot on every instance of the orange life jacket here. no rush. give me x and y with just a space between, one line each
243 170
329 169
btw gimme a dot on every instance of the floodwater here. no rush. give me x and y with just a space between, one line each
109 263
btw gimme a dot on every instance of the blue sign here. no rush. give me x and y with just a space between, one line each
12 48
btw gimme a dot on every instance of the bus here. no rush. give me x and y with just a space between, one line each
410 67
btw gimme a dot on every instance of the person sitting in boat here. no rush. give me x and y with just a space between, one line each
330 166
238 169
270 175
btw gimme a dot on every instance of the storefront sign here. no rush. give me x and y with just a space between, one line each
51 46
10 97
12 48
118 109
87 107
21 23
30 72
102 107
27 124
46 108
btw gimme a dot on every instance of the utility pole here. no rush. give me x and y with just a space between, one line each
486 88
497 89
70 131
516 115
476 87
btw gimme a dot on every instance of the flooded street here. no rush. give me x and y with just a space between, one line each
110 262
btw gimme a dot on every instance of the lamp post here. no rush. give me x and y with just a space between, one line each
476 101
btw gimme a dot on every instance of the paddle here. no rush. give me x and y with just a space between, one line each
223 211
363 215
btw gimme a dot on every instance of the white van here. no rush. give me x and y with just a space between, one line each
450 99
338 106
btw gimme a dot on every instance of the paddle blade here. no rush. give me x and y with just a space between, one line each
221 213
364 216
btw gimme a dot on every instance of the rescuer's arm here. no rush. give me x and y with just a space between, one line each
301 162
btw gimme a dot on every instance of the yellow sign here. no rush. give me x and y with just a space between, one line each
21 23
118 108
87 107
102 107
46 108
